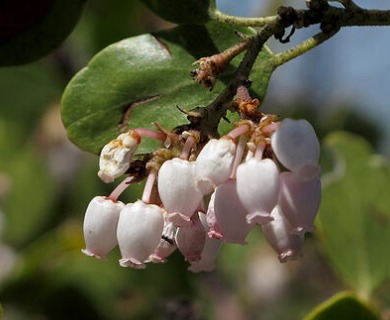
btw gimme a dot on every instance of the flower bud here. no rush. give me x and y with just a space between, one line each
139 232
177 190
300 200
229 214
296 146
115 156
258 188
100 224
277 233
214 164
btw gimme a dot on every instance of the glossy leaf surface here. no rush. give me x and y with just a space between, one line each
141 80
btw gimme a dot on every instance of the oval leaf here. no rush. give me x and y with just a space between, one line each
355 212
141 80
32 29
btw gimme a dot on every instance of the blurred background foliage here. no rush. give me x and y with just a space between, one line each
46 184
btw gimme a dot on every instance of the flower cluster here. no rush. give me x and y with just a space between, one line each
201 194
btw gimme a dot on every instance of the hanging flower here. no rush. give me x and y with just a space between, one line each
242 170
214 164
139 232
209 253
278 235
100 225
300 200
229 214
177 190
258 188
191 239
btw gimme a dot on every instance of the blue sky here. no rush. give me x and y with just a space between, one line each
352 66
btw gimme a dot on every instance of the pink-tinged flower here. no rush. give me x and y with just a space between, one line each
300 200
100 224
214 164
214 230
115 156
190 239
177 190
139 232
258 188
209 253
277 233
229 214
296 146
167 244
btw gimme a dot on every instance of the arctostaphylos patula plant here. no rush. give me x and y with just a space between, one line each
216 166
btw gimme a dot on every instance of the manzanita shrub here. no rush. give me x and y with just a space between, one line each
181 110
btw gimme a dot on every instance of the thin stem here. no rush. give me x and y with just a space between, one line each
212 114
236 132
241 21
218 107
270 128
148 187
260 150
361 17
120 188
308 44
185 153
144 132
239 153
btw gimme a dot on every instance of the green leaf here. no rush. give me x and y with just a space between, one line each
355 212
32 29
344 305
179 11
30 196
140 80
30 199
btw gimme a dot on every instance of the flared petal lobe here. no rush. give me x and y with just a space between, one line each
139 232
100 225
